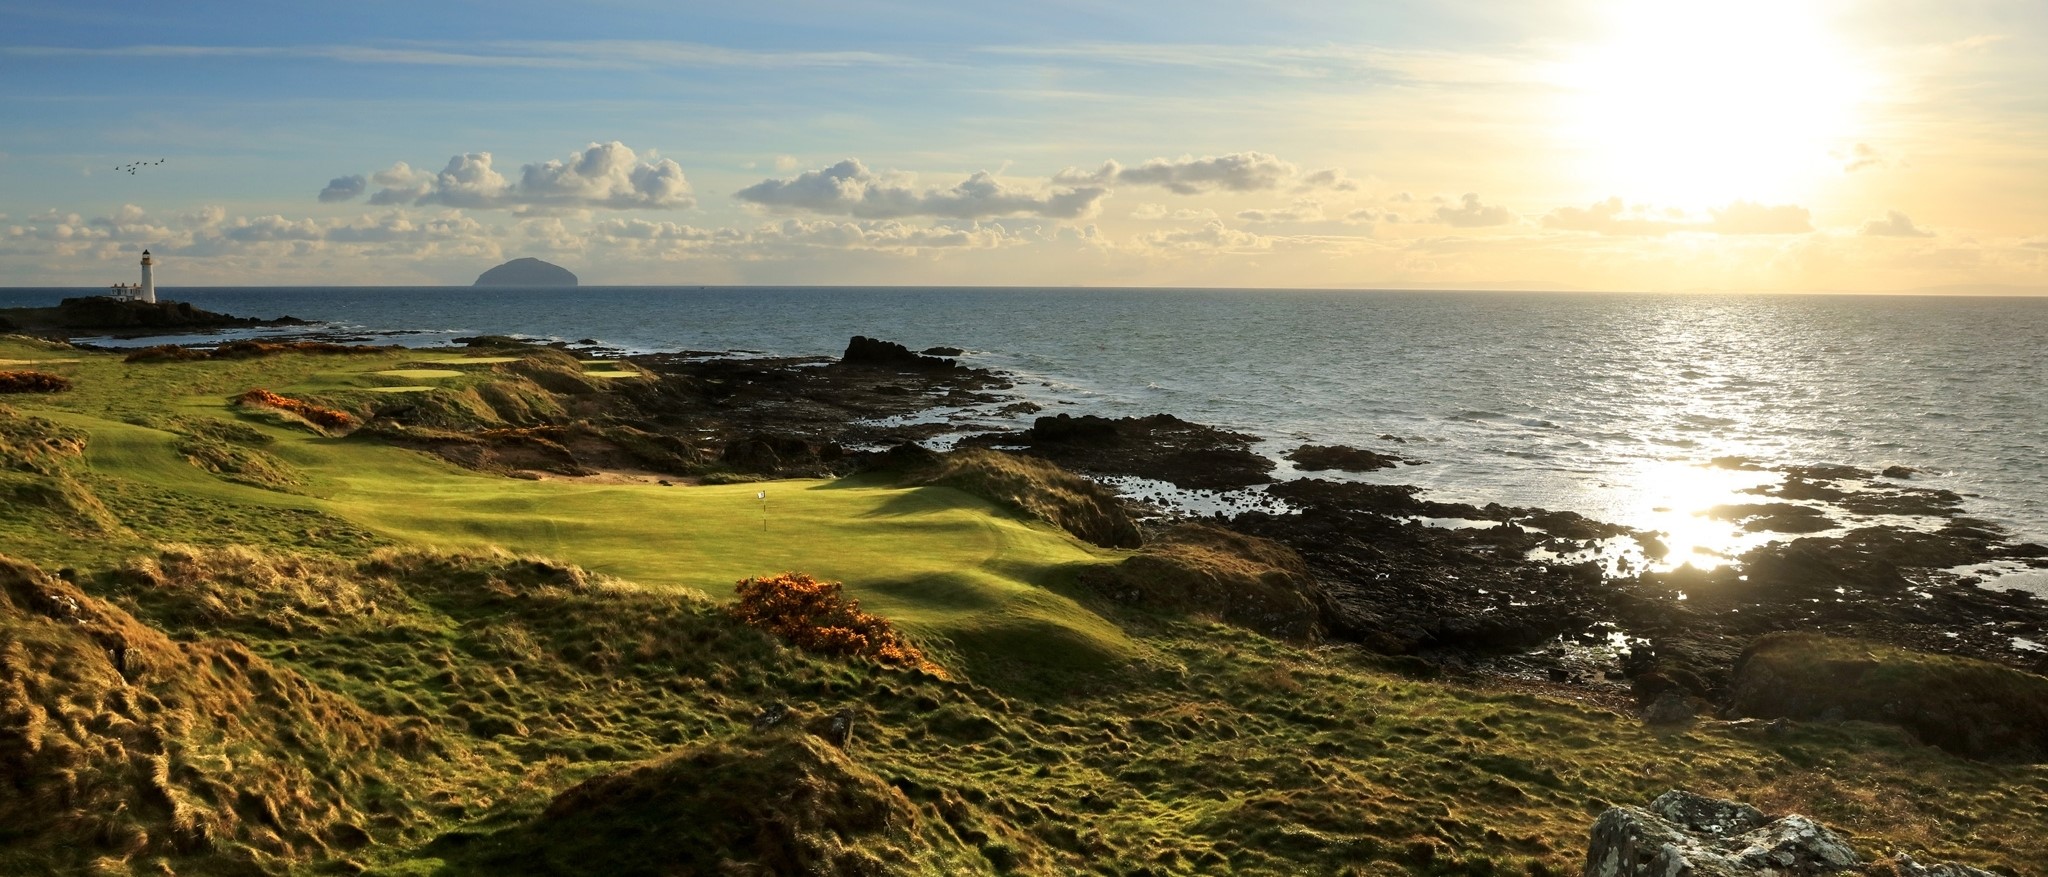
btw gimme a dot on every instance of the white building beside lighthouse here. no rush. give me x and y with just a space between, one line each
148 293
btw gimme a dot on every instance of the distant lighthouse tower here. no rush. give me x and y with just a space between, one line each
148 293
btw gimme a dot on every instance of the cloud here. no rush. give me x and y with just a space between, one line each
888 235
1894 225
1151 210
343 188
1862 156
1187 175
1208 236
850 189
1472 213
1749 217
602 175
643 230
1328 178
606 175
1611 217
1305 210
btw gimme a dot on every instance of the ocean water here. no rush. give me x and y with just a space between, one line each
1605 404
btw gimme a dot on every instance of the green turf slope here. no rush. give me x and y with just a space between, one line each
948 566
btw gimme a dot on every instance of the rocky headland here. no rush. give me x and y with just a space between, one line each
121 318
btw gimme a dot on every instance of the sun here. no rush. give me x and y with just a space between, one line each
1693 105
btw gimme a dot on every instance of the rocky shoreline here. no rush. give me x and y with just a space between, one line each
1525 595
1531 594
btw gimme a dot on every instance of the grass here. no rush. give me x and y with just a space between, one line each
384 664
939 561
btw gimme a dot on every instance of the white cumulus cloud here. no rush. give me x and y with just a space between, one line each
601 175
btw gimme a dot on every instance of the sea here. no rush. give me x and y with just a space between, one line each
1614 405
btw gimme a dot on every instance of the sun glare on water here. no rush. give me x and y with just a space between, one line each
1693 104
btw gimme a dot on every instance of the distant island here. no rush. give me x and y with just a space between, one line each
527 272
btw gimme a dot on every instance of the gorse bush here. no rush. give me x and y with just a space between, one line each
326 418
32 382
817 617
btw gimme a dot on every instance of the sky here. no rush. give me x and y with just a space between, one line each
1796 145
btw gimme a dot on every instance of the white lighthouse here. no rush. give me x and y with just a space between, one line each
148 293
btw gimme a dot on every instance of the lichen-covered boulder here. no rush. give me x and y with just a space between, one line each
1686 835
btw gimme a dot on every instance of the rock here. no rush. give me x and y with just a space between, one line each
1686 834
862 350
1670 708
1899 472
942 351
1709 815
528 272
1316 458
771 715
1160 447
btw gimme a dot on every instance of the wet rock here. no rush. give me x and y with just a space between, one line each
862 350
1681 833
1160 447
942 351
1316 458
1775 517
1899 472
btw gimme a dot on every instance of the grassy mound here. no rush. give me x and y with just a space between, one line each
1972 708
42 479
777 802
233 451
1038 489
124 750
1199 570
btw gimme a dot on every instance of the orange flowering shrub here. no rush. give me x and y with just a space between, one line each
32 382
817 617
327 418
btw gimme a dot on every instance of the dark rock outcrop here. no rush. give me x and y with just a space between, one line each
862 350
528 272
1317 458
1161 447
